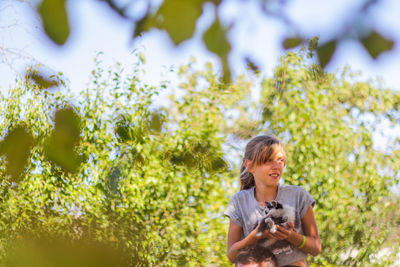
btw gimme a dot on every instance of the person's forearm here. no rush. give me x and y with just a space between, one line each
234 249
312 245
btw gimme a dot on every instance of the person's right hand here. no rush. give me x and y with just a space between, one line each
265 234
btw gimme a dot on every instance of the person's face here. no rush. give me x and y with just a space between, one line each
270 172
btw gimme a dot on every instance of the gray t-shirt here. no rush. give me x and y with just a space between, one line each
245 212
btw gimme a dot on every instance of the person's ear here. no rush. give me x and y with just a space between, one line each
247 164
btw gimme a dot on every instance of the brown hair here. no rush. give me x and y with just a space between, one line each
258 150
254 254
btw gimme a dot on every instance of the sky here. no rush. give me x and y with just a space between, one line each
95 29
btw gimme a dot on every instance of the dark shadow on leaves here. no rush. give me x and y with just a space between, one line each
126 132
113 182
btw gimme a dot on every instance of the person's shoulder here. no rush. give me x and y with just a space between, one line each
243 194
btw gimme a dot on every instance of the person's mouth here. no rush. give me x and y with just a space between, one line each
274 175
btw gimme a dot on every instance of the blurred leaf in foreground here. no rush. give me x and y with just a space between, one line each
292 42
155 122
376 44
325 52
216 41
16 147
66 136
55 20
61 252
177 17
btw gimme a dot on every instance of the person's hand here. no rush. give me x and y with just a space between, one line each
284 232
281 233
265 234
255 238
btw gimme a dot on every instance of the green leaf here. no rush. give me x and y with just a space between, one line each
55 20
40 80
184 158
376 44
219 164
177 17
292 42
155 122
142 25
325 52
16 146
126 131
123 132
61 146
216 42
252 66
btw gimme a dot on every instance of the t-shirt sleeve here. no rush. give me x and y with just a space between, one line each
306 200
232 211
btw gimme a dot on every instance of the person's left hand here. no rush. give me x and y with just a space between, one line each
283 232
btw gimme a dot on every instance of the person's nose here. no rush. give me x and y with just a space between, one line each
275 164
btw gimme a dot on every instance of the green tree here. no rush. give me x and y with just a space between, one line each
147 183
328 123
152 181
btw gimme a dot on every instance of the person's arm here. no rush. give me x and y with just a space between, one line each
234 242
313 243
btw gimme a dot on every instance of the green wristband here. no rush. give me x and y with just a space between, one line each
303 243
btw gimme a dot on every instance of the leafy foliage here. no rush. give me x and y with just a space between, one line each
328 124
149 187
148 183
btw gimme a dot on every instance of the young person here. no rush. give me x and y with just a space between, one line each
262 167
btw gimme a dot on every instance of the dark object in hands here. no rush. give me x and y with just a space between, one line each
277 213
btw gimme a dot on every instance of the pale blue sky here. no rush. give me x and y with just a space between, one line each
96 29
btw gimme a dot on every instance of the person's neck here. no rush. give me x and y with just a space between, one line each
264 193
